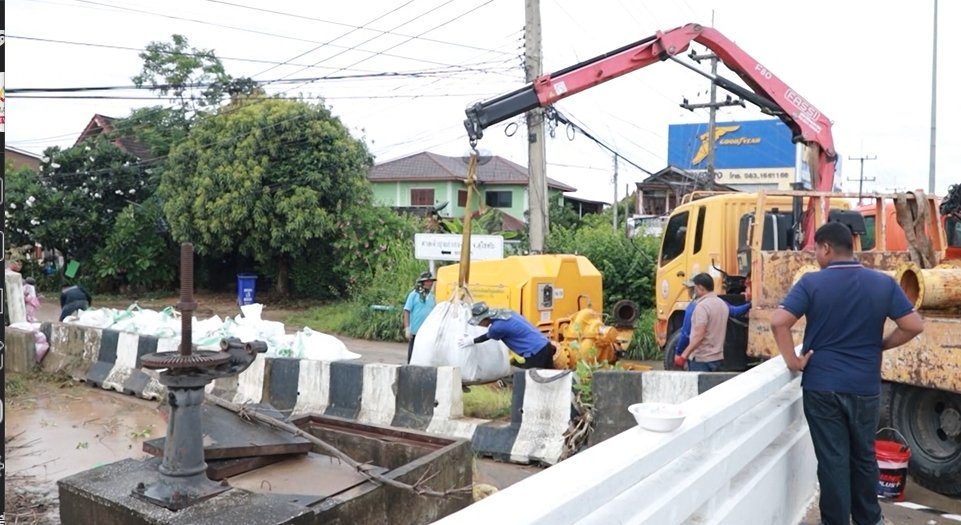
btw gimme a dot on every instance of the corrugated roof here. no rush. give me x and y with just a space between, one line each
427 166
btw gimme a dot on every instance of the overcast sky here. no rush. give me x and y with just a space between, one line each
865 64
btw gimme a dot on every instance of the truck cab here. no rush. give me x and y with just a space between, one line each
711 232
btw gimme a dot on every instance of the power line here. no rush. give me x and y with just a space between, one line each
384 52
141 50
255 99
342 24
564 120
355 29
385 74
254 31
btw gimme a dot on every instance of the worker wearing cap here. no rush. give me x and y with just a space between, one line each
685 334
420 301
705 351
513 330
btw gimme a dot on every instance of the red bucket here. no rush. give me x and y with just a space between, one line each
893 457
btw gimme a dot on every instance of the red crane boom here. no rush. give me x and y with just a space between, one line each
808 124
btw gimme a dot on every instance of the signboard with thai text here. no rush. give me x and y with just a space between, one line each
447 246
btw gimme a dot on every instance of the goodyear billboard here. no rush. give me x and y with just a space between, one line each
756 152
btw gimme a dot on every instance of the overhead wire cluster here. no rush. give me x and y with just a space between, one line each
469 70
438 79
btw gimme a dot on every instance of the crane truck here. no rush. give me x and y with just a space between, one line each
758 244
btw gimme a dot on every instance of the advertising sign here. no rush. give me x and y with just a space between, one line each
737 145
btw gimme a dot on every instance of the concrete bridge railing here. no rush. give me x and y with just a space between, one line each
742 455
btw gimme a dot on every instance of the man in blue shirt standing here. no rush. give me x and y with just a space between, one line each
420 301
845 306
515 331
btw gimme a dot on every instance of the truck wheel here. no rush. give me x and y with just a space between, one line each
669 348
930 421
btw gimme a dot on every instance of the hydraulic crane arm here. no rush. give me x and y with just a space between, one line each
772 95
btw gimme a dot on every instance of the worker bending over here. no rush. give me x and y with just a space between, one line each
513 330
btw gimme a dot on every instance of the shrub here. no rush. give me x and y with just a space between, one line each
644 346
375 309
627 264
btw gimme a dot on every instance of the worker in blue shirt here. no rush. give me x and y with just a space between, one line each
515 331
685 335
420 301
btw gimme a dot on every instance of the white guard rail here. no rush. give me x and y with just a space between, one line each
742 455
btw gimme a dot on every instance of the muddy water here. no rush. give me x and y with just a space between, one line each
55 432
314 475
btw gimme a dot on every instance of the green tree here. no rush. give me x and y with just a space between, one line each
138 253
156 127
265 180
562 215
192 78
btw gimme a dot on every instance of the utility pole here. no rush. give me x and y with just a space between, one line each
712 105
861 179
934 101
536 150
615 194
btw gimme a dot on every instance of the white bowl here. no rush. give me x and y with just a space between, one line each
658 417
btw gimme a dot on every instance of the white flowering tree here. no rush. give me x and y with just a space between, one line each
72 204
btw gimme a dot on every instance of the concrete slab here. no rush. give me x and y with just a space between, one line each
103 496
226 436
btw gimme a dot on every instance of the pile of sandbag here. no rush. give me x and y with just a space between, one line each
207 333
437 341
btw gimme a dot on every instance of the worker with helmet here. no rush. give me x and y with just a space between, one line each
420 301
515 331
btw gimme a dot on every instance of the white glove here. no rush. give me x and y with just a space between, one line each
407 333
465 342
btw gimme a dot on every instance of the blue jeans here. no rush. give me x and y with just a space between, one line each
842 428
704 366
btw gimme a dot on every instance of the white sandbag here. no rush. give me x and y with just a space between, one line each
437 340
319 346
252 311
97 318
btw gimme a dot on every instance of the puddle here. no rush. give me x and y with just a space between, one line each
312 477
59 432
53 432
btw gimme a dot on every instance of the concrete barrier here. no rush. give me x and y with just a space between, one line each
20 351
421 398
614 390
73 349
540 415
13 296
742 455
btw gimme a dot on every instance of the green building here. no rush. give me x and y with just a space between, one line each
426 180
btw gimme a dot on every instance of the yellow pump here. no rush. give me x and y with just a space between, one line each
557 294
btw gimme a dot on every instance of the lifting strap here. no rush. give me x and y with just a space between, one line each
912 215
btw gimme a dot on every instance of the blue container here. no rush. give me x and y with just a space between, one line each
246 288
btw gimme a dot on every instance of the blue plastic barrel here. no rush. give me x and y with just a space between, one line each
246 288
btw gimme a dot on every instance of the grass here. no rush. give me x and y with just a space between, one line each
329 318
15 385
488 402
19 384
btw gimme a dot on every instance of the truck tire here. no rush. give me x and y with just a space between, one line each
669 348
930 421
